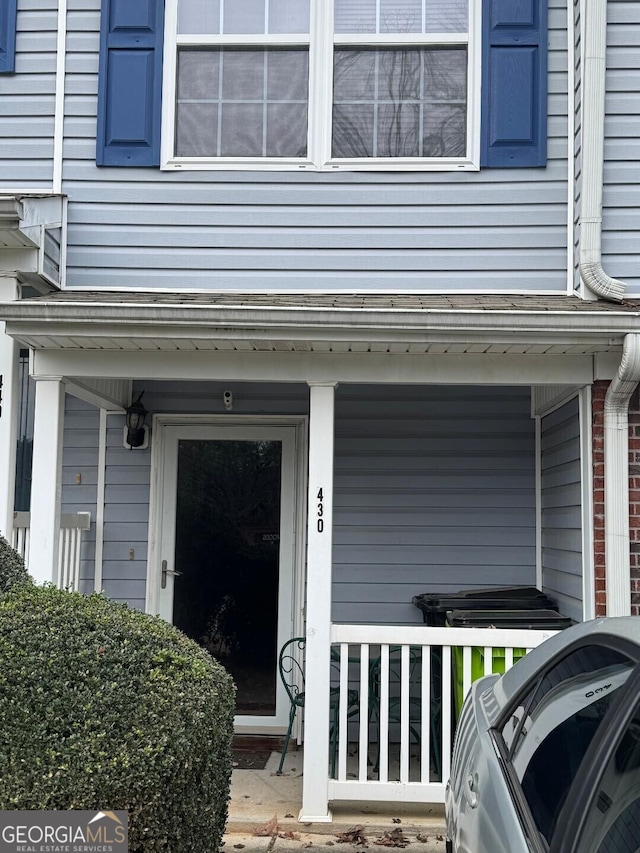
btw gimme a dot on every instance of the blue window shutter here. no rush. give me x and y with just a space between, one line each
8 15
514 83
130 83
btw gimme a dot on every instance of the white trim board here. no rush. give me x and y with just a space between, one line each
376 368
320 40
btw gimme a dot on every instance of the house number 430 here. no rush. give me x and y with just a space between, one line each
320 511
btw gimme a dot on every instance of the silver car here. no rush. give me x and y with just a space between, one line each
547 757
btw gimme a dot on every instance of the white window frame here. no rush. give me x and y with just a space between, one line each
321 42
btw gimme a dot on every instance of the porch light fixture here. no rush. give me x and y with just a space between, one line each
136 432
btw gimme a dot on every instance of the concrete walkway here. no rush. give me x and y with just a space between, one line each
262 802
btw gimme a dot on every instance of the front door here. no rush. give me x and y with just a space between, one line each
226 555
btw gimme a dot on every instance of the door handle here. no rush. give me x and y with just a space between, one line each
470 789
166 571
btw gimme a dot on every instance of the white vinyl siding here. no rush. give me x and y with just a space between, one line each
27 99
493 231
621 213
434 492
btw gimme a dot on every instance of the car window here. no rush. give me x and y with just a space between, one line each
549 732
613 816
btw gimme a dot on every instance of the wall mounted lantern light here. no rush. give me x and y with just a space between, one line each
135 430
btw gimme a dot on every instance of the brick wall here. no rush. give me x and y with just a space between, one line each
599 390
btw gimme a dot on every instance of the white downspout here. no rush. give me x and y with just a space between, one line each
594 33
616 479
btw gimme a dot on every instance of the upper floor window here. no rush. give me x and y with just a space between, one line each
321 84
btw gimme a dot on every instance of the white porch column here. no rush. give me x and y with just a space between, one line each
315 797
46 483
9 353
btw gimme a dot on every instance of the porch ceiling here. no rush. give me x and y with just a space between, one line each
82 320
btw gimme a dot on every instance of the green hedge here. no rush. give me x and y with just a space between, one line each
103 707
12 570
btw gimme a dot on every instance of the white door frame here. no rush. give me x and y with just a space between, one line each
291 431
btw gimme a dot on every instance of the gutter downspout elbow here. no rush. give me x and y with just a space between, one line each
616 479
594 32
599 282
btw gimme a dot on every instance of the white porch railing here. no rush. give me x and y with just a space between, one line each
409 679
72 526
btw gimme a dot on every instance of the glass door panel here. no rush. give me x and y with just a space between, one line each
227 546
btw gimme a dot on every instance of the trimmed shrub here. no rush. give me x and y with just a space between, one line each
103 707
12 570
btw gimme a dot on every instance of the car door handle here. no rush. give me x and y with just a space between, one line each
470 789
166 571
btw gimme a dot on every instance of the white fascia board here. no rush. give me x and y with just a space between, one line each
45 333
209 321
376 368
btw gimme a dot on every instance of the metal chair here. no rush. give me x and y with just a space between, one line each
291 668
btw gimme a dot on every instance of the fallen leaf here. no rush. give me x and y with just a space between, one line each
395 838
288 815
439 838
423 838
270 828
329 844
355 835
395 820
238 846
292 836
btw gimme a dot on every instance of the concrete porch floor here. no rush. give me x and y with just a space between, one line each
259 795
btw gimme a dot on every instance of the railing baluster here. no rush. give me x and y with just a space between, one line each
383 710
508 658
425 716
466 670
404 714
342 711
363 748
61 560
74 565
488 660
445 750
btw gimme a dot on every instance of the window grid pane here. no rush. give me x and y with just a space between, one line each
401 16
238 17
230 102
399 103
